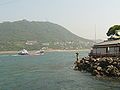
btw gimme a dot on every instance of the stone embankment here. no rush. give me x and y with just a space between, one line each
106 66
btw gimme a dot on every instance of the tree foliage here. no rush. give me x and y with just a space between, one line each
112 30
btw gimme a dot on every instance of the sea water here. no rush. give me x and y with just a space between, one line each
51 71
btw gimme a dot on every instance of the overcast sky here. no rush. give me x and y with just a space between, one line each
82 17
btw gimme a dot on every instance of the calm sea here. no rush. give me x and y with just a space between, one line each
51 71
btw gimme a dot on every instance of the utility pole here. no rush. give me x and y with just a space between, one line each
95 33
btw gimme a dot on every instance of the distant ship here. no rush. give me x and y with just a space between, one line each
23 52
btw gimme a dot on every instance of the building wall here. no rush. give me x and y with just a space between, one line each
99 50
111 50
114 50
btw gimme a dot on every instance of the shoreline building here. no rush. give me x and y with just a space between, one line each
109 48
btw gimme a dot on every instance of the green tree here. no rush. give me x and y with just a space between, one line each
112 30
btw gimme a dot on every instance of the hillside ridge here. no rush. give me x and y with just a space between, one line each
19 34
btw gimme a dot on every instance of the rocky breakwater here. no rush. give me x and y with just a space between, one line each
105 66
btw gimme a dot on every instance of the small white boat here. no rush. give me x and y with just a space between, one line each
23 52
41 52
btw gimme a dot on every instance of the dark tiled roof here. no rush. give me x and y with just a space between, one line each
108 42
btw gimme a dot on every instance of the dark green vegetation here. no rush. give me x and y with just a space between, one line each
35 35
112 30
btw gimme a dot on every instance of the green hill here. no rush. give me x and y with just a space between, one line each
35 35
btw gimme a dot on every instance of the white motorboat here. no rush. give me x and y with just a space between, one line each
23 52
41 52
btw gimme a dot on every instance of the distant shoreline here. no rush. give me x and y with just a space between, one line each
52 50
67 50
8 52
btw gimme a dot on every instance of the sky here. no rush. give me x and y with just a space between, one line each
81 17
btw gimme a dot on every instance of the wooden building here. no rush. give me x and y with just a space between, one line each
109 48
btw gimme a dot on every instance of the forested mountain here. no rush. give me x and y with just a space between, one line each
35 35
